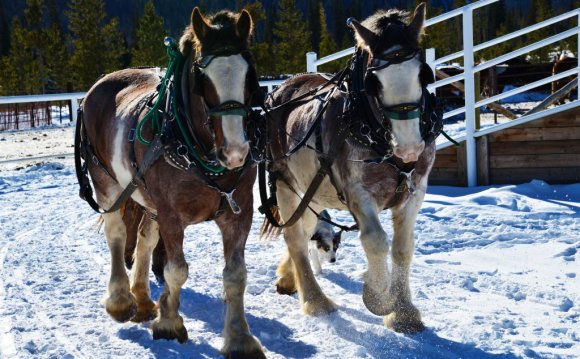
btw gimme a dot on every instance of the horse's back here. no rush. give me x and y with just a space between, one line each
294 87
114 96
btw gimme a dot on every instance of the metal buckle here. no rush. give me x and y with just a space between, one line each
229 196
407 184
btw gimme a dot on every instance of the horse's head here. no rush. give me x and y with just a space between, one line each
395 75
224 77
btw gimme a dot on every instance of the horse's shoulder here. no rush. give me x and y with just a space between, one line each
132 76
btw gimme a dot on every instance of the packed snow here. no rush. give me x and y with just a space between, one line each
495 274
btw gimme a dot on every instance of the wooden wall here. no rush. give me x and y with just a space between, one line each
547 149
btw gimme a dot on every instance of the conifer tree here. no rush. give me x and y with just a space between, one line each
292 39
97 45
327 45
314 24
149 48
540 10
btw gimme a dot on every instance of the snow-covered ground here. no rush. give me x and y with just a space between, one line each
495 274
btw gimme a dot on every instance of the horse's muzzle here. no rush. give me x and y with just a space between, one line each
409 153
232 157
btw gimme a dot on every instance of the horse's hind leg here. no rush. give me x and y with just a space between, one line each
120 303
147 238
405 317
314 301
374 241
169 324
238 341
286 283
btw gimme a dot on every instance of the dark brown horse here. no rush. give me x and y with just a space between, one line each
383 161
191 123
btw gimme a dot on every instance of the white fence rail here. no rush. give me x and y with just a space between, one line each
469 69
75 97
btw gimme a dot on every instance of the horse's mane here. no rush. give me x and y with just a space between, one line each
222 33
389 26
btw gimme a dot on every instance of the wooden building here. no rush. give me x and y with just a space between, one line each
547 149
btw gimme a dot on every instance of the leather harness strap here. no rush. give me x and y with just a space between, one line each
325 169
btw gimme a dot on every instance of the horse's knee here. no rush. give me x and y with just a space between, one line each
234 277
375 242
176 273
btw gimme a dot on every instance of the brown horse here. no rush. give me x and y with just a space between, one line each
193 142
378 137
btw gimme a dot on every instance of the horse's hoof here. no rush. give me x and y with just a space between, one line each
122 309
246 346
375 302
317 307
145 312
405 320
285 286
166 329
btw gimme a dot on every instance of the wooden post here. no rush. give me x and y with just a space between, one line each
477 98
482 161
462 165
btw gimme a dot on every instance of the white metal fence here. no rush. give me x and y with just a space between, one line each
470 68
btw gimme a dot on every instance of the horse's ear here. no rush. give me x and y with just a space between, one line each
416 25
245 25
365 38
200 26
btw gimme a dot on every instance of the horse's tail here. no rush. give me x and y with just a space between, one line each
269 231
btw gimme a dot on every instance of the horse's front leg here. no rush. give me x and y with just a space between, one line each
374 241
169 324
238 341
147 238
120 303
405 317
314 301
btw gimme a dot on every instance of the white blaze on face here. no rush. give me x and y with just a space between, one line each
228 76
400 85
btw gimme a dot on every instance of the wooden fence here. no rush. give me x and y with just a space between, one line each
547 149
18 116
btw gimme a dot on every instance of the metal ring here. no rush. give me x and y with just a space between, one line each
182 150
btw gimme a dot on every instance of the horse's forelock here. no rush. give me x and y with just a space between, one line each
222 32
390 27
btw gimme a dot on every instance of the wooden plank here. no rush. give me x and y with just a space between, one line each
462 166
559 120
554 97
536 134
482 161
445 162
535 161
535 147
522 175
493 106
451 150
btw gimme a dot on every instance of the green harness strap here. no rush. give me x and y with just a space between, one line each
173 71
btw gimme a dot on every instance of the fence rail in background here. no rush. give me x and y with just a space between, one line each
471 102
20 112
